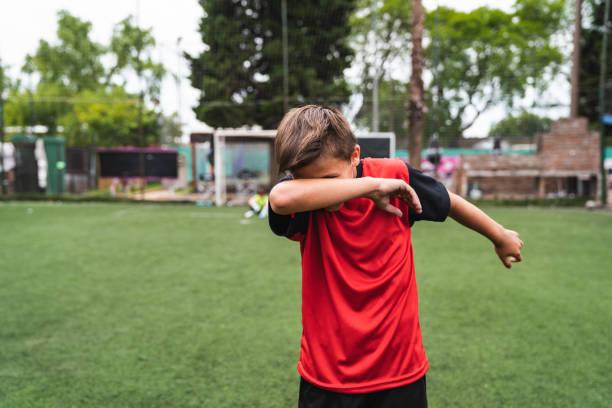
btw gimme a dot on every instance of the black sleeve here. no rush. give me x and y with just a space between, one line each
287 225
432 195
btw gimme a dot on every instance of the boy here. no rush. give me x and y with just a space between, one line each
361 343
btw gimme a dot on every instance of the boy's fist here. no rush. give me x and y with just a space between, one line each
508 248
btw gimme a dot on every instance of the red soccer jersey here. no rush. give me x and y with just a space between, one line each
361 329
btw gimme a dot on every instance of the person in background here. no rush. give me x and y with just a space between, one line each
258 204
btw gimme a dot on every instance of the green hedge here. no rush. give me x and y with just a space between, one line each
83 198
535 202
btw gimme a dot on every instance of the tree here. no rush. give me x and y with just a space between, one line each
391 35
240 72
15 106
575 69
488 56
590 67
11 109
131 48
6 82
75 61
525 124
416 104
95 121
77 92
380 36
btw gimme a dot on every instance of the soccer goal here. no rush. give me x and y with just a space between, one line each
243 162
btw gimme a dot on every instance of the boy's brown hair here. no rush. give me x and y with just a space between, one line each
309 132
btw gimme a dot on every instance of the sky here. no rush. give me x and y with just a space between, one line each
24 22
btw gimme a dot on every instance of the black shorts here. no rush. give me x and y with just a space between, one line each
413 395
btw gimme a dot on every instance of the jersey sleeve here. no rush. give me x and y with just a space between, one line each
292 226
433 196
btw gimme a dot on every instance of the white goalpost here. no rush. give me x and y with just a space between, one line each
222 138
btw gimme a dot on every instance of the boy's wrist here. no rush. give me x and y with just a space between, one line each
497 236
372 186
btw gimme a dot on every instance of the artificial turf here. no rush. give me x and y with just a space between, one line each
119 305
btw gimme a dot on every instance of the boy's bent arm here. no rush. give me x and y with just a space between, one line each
507 242
301 195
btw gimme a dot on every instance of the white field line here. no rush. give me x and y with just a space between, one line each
214 215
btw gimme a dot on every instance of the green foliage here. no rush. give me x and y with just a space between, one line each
95 121
131 48
5 81
79 95
392 37
525 124
15 111
590 60
392 112
488 56
577 202
8 88
240 73
51 102
74 62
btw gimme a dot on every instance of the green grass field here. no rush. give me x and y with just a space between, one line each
118 305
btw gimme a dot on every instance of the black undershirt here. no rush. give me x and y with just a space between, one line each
432 194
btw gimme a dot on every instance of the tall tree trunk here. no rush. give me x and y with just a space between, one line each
576 60
416 105
391 108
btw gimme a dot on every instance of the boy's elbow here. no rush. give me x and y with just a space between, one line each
280 201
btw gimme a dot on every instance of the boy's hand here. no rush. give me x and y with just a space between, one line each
388 188
508 248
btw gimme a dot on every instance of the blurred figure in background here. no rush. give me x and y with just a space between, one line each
258 204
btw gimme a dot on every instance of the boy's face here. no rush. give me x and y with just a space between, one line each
330 167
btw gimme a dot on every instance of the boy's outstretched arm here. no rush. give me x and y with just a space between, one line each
301 195
507 243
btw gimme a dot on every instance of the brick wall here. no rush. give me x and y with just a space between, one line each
503 162
569 150
570 146
507 187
